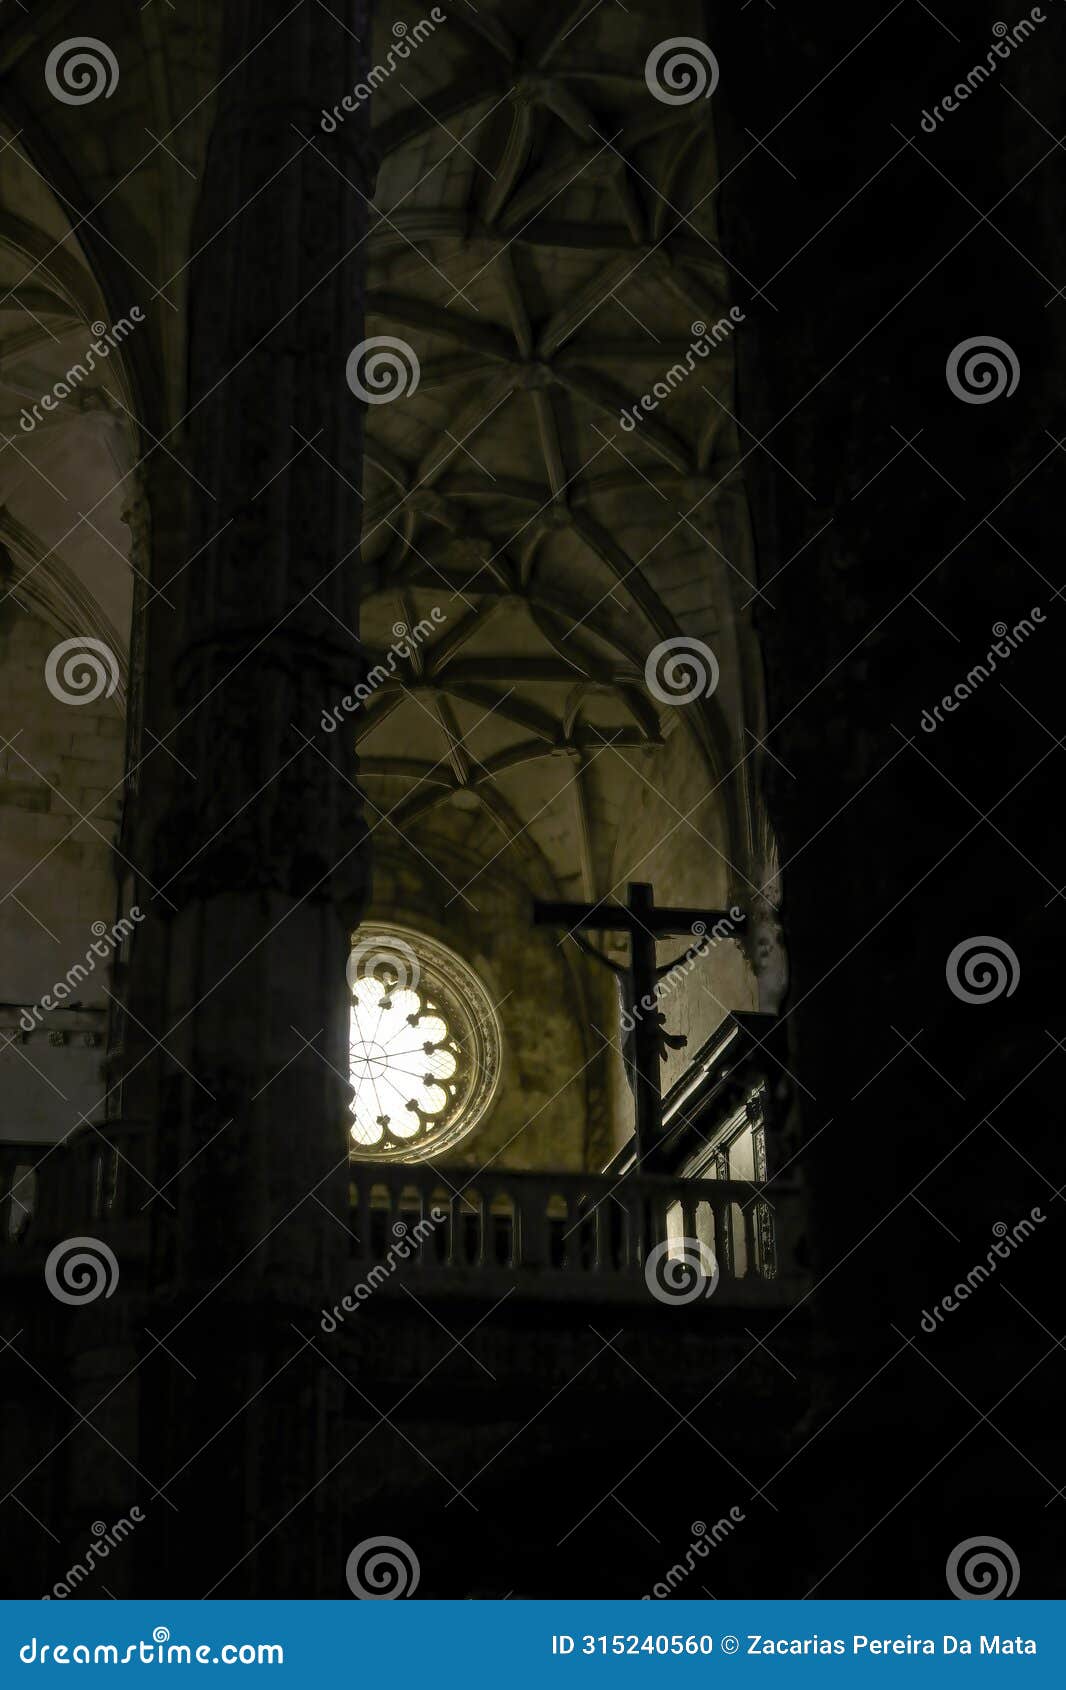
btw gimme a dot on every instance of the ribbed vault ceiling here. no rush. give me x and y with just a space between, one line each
62 495
545 242
546 245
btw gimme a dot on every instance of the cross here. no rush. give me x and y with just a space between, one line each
643 923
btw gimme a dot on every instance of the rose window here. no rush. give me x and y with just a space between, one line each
403 1061
423 1046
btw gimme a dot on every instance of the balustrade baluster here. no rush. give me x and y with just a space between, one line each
688 1216
471 1221
363 1212
521 1224
723 1237
604 1260
568 1238
533 1243
750 1212
451 1236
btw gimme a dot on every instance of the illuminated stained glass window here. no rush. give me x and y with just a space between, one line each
424 1046
404 1059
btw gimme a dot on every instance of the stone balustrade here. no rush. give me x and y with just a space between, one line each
540 1235
557 1235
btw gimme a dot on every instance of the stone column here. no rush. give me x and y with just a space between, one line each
261 846
254 839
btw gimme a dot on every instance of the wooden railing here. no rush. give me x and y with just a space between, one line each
561 1234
